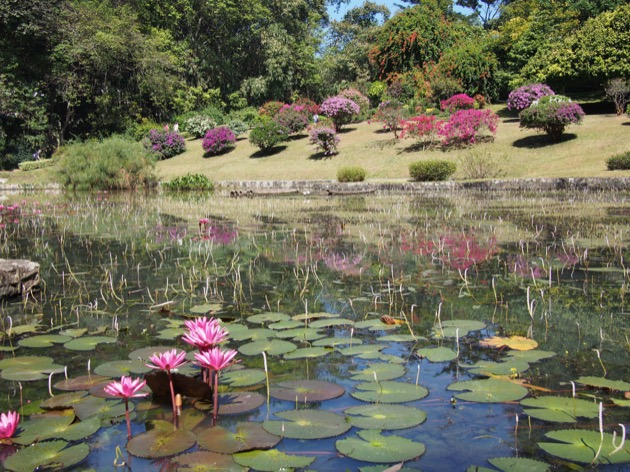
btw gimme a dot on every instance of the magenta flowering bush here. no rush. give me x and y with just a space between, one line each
466 126
218 139
423 128
293 117
340 110
165 143
357 97
325 139
551 114
460 101
524 96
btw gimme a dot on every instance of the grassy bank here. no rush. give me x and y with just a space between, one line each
518 153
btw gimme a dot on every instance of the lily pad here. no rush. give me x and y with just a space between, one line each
247 436
268 317
308 353
604 383
56 427
288 324
73 332
243 377
103 408
532 356
330 323
488 391
161 441
375 325
449 329
399 338
27 368
301 334
579 445
239 402
143 354
306 391
84 382
49 453
307 424
256 334
384 416
510 366
437 354
362 349
205 308
170 334
205 461
63 401
519 464
272 460
314 316
389 392
88 343
379 372
372 446
334 342
518 343
44 340
273 347
559 409
120 368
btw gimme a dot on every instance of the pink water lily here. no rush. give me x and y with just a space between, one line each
204 333
216 360
127 388
168 361
8 424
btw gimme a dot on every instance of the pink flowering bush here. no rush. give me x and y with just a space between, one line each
310 107
293 117
357 97
392 114
165 143
423 128
460 101
218 139
340 110
522 97
270 108
466 126
325 139
551 114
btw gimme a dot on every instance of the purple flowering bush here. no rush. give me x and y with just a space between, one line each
218 139
460 101
466 126
522 97
357 97
165 143
551 114
340 110
325 139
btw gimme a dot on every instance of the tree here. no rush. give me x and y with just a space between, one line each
487 11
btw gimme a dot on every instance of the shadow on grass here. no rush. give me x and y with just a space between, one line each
319 156
601 107
268 152
627 123
207 155
346 130
419 147
541 140
297 137
511 120
505 113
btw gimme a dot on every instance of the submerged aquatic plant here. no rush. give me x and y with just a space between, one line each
127 388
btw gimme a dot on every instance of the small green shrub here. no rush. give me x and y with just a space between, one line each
198 125
479 164
33 165
189 182
115 163
216 114
248 115
139 131
431 171
619 162
351 174
267 134
551 114
238 127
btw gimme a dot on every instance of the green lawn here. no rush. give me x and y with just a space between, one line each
519 153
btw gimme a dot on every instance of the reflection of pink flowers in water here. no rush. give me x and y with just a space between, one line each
347 264
218 234
170 233
521 266
458 251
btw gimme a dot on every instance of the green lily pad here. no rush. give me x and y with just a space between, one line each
243 377
532 356
579 445
621 402
488 390
88 343
271 460
379 372
25 329
449 329
301 334
256 334
306 391
161 441
559 409
330 323
399 338
268 317
372 446
239 402
206 461
56 427
389 392
102 408
170 334
63 401
313 316
384 416
273 347
205 308
437 354
73 332
604 383
247 436
307 424
45 454
120 368
362 349
308 353
519 464
85 382
288 324
375 325
334 342
27 368
510 366
44 340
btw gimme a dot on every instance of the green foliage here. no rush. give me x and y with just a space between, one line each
34 165
248 115
268 134
351 174
619 162
189 182
215 113
376 92
112 164
140 131
14 154
618 91
238 127
197 125
551 114
430 171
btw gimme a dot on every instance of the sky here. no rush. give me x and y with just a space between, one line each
334 15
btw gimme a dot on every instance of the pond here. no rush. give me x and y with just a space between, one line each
480 331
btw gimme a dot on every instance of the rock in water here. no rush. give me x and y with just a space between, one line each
17 277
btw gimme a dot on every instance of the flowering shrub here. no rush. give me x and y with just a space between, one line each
197 125
310 107
340 110
551 114
391 113
424 128
267 134
461 101
165 143
218 139
270 109
357 97
522 97
325 139
465 126
293 117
